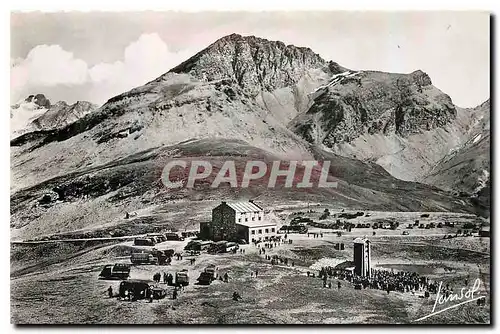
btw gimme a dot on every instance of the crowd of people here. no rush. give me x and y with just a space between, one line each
400 281
167 278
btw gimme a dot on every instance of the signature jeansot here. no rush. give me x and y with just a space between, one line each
453 300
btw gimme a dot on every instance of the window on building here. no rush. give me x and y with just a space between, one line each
253 218
260 218
246 219
267 230
260 231
239 220
272 230
253 231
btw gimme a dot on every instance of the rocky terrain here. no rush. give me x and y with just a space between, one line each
466 169
245 97
399 121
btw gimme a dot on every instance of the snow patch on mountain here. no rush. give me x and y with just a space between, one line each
477 138
22 115
336 79
482 181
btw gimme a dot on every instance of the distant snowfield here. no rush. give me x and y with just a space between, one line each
21 117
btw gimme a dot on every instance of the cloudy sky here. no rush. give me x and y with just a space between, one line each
95 56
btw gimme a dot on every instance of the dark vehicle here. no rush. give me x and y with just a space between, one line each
158 237
375 226
421 226
205 278
144 242
193 246
182 278
232 246
351 215
143 258
173 236
135 289
301 229
406 233
358 286
432 225
210 269
439 225
300 220
163 257
158 293
205 245
424 215
189 234
169 252
117 271
427 226
218 247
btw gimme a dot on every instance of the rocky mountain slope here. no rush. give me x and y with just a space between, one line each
394 120
240 98
466 170
36 113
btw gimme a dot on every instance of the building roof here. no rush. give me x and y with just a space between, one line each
242 207
257 224
360 240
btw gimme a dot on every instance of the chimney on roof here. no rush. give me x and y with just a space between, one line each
250 200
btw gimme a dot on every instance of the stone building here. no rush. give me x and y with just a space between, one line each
233 221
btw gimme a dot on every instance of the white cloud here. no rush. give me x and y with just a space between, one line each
49 65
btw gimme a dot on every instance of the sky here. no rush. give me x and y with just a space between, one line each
94 56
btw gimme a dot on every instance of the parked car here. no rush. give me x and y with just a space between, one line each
143 258
138 289
205 278
182 278
211 270
406 233
174 236
149 241
231 246
116 271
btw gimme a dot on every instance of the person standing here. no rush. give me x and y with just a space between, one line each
150 294
110 292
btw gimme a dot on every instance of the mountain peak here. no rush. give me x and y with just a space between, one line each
254 63
39 99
